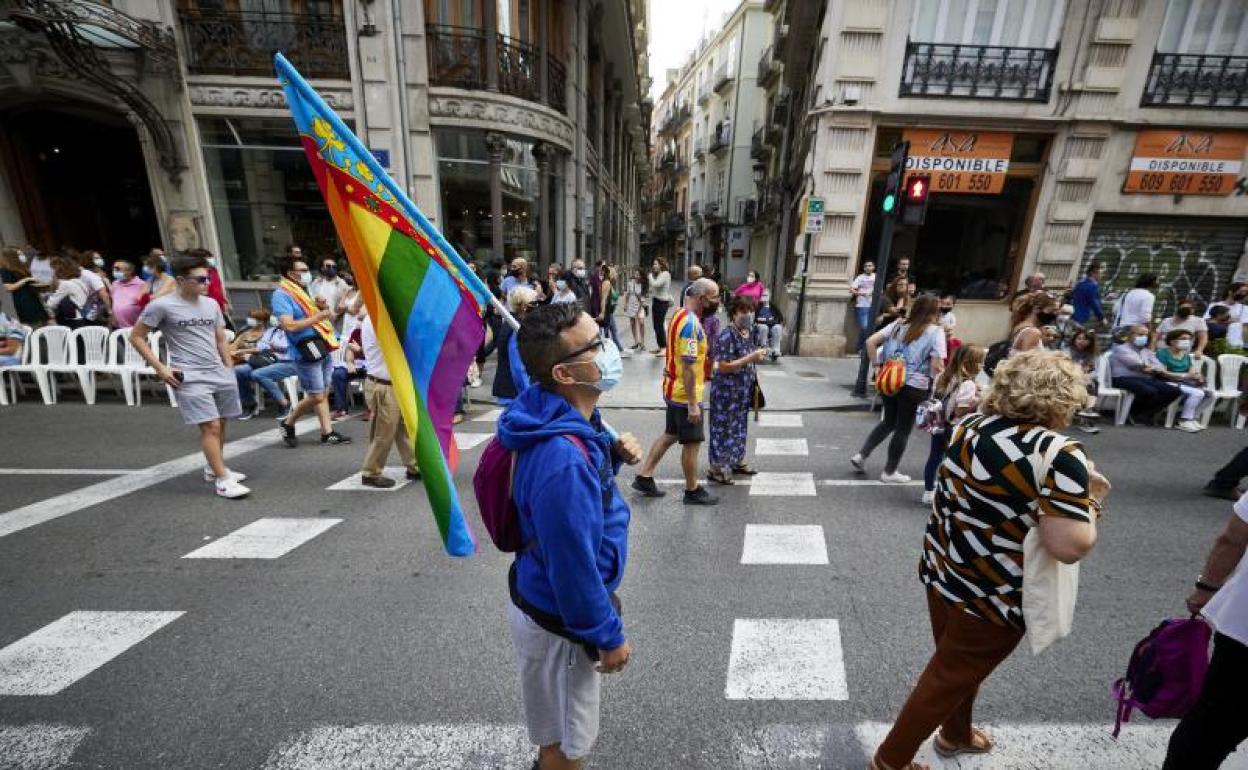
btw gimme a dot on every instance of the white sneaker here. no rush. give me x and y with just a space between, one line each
894 478
858 462
230 488
927 498
1190 426
210 477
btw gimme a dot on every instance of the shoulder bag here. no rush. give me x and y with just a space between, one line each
1050 587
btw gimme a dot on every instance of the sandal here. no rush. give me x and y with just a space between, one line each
719 476
981 743
744 469
876 764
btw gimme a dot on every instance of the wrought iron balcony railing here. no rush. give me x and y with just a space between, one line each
457 58
768 68
243 43
704 93
759 148
1196 80
699 148
676 224
978 72
723 76
722 138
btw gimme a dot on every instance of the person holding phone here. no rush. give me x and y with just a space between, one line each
199 368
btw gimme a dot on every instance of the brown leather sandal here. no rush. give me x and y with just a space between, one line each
981 743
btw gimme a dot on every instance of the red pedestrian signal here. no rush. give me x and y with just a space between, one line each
916 189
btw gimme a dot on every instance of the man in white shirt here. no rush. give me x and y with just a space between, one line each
1216 724
861 289
1136 306
386 429
332 288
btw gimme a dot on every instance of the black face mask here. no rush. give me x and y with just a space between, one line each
1185 312
1046 318
710 310
329 272
946 310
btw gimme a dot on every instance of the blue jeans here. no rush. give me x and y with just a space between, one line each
609 331
270 378
863 316
342 394
940 442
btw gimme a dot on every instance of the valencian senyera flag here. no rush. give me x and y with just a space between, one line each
426 305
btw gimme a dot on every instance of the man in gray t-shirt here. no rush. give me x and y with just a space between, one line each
193 331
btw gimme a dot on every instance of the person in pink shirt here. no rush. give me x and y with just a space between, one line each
128 292
752 288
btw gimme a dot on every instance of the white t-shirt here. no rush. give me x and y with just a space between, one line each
863 285
1135 307
1228 609
374 361
92 281
1193 324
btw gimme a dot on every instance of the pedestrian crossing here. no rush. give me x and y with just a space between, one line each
269 538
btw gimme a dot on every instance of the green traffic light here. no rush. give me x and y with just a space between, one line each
890 203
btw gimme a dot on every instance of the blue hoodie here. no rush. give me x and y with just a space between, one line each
578 552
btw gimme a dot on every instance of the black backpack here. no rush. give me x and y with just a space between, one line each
997 352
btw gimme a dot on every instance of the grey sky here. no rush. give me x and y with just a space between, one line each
676 26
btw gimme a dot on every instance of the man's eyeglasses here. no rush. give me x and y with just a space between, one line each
596 343
200 279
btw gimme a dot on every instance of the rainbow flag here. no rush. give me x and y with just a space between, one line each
426 305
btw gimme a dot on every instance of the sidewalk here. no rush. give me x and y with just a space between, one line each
790 384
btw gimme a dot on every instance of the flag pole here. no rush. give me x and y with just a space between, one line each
505 313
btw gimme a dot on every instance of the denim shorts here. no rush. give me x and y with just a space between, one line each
314 376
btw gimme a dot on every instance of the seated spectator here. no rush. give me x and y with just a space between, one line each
22 287
12 338
768 327
129 293
244 343
1065 326
69 294
1176 357
1218 326
1082 351
348 363
1135 368
1186 318
267 367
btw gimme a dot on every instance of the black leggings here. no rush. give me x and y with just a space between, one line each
1216 724
659 316
899 413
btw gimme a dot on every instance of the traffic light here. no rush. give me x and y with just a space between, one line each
890 204
915 209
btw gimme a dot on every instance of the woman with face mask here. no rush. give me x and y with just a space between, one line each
563 292
1186 318
1180 367
1133 367
731 392
1031 313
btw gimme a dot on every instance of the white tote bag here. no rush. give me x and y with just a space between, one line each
1050 587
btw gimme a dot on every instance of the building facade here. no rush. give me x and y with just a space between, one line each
518 126
703 189
1055 134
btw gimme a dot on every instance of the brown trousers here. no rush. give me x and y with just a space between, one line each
968 649
386 429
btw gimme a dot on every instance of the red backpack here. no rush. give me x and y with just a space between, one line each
492 485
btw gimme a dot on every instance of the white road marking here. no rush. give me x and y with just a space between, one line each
786 659
463 746
490 416
783 485
466 441
784 544
52 658
1054 747
352 483
66 471
737 480
791 447
783 747
71 502
867 483
264 539
779 420
39 746
772 373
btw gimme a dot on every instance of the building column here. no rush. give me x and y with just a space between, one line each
491 44
494 145
543 152
543 51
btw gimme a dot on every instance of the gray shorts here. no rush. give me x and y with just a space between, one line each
559 686
204 400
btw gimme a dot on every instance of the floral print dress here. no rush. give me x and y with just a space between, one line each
730 401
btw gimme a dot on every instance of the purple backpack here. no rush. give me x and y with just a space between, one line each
492 486
1166 672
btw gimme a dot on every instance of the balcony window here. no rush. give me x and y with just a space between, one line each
220 41
1202 56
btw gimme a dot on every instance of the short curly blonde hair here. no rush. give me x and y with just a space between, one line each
1042 387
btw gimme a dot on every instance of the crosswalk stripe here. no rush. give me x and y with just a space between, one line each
867 483
772 373
65 471
352 483
466 441
786 659
791 447
269 538
39 746
779 420
783 485
463 746
490 416
784 544
52 658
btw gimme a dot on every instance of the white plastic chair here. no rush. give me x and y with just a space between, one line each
124 365
162 352
1208 369
47 346
1106 392
86 348
1227 389
11 376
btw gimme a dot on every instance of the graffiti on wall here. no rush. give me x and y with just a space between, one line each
1187 262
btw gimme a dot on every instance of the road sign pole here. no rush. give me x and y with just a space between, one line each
801 299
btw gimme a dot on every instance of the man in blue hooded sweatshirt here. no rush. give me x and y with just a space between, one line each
563 613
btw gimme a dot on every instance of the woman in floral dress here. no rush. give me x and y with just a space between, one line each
731 390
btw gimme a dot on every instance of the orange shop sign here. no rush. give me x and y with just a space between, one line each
960 161
1178 162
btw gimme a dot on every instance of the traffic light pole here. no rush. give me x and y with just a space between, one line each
801 299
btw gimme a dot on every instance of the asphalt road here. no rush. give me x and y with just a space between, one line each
366 646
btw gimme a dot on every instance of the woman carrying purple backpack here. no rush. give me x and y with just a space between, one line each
1219 721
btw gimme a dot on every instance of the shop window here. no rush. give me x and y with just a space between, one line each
263 195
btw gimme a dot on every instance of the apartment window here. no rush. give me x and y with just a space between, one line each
1009 23
1211 27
